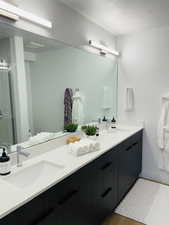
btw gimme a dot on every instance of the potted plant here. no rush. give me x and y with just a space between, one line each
71 127
90 131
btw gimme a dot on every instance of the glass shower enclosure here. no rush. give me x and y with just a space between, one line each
7 134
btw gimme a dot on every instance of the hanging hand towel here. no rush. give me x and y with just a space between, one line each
163 135
68 103
129 99
77 110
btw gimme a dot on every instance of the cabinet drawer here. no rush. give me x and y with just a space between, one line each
131 140
28 214
106 202
63 191
105 163
68 211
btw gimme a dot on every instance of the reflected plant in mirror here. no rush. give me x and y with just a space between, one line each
71 127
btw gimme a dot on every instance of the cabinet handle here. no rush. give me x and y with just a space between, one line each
136 143
67 197
129 148
108 164
45 215
106 192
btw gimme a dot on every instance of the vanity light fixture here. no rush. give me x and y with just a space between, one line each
9 16
33 44
4 65
16 11
103 49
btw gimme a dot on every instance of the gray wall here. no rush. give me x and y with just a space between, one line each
6 131
144 65
68 25
56 70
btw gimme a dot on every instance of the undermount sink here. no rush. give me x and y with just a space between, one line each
35 175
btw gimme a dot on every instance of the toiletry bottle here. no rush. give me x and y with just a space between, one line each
5 163
29 133
113 122
104 122
97 131
104 119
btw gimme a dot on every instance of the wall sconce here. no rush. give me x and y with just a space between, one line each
103 49
15 12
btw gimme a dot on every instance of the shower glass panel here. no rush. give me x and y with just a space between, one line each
6 115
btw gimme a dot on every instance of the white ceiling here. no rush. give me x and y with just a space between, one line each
123 16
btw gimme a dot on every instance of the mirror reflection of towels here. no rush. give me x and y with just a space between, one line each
77 110
68 102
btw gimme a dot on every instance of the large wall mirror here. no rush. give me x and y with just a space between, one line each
41 77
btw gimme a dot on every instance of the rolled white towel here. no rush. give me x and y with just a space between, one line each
97 146
83 147
78 149
88 143
93 145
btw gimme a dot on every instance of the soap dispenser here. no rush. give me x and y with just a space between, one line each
5 163
104 119
104 122
113 122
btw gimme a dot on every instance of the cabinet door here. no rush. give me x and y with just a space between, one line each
123 172
136 159
28 214
66 212
130 160
100 188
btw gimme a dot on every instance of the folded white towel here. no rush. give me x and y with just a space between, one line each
93 145
83 147
78 149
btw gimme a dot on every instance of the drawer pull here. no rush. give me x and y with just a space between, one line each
67 197
108 164
129 148
136 143
106 192
45 216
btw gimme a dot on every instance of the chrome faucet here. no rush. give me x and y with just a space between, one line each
19 151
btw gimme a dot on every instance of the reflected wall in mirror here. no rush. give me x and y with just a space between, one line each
7 127
32 92
53 71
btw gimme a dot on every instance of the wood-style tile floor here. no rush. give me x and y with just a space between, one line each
120 220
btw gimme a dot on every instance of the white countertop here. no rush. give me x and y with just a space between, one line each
13 197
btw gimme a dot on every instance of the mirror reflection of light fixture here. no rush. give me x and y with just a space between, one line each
103 49
10 8
3 65
34 45
9 16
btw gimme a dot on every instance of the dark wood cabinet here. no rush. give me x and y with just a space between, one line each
129 163
88 195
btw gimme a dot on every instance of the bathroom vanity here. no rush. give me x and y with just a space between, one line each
87 194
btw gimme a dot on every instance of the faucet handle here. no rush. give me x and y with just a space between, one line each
5 145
